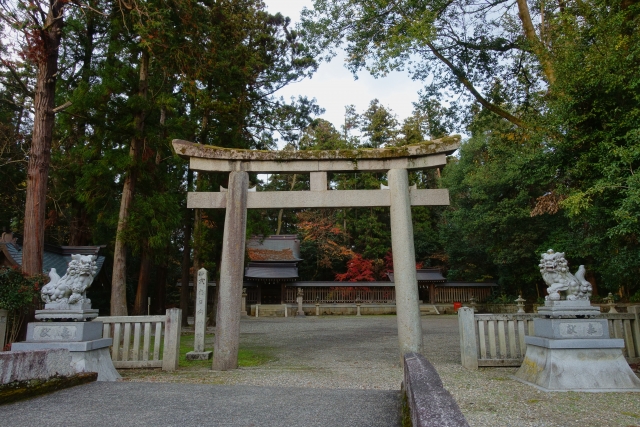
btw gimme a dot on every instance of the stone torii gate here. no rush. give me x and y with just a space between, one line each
395 161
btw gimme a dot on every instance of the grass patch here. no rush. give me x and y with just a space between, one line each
630 414
405 412
246 357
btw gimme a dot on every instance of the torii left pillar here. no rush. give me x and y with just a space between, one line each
225 351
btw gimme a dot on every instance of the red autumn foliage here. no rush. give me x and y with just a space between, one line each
358 270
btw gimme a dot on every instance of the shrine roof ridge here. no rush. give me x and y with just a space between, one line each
445 145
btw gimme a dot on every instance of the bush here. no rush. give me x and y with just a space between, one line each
19 293
501 299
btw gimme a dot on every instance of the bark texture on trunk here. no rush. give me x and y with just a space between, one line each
161 289
197 247
40 152
536 43
119 283
142 292
293 184
186 257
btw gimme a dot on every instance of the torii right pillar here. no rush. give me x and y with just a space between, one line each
404 264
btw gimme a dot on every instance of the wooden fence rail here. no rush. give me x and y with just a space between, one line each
135 351
498 339
329 295
461 294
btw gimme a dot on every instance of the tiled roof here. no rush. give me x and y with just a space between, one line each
57 257
274 248
467 285
280 271
426 275
342 284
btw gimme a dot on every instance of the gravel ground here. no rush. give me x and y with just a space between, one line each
348 352
129 404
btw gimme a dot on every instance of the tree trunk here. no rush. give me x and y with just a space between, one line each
537 44
186 257
119 283
79 234
197 250
140 305
40 152
293 184
79 230
161 288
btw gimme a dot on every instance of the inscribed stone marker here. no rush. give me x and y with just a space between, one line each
200 318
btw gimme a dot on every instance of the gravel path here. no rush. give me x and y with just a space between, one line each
348 352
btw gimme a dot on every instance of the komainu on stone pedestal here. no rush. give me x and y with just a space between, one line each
571 349
65 321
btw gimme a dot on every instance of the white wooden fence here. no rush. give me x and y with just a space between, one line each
136 352
498 339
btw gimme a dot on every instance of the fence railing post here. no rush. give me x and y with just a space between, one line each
172 329
635 309
468 342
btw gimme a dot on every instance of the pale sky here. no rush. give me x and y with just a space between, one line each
334 87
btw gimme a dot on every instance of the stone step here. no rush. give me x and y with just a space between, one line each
428 309
273 310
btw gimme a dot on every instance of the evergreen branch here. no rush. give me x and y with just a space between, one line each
15 75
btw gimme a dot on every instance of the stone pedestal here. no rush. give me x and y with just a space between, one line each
569 309
575 354
67 312
89 351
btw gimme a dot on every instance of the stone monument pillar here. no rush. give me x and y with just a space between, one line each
66 321
300 299
231 274
200 320
571 349
243 311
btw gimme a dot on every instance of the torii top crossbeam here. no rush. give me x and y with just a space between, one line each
417 156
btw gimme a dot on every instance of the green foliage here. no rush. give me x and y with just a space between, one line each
18 292
501 299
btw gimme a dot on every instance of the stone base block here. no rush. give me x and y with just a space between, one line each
569 309
571 328
199 355
38 364
95 361
86 356
85 305
577 369
67 315
64 331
